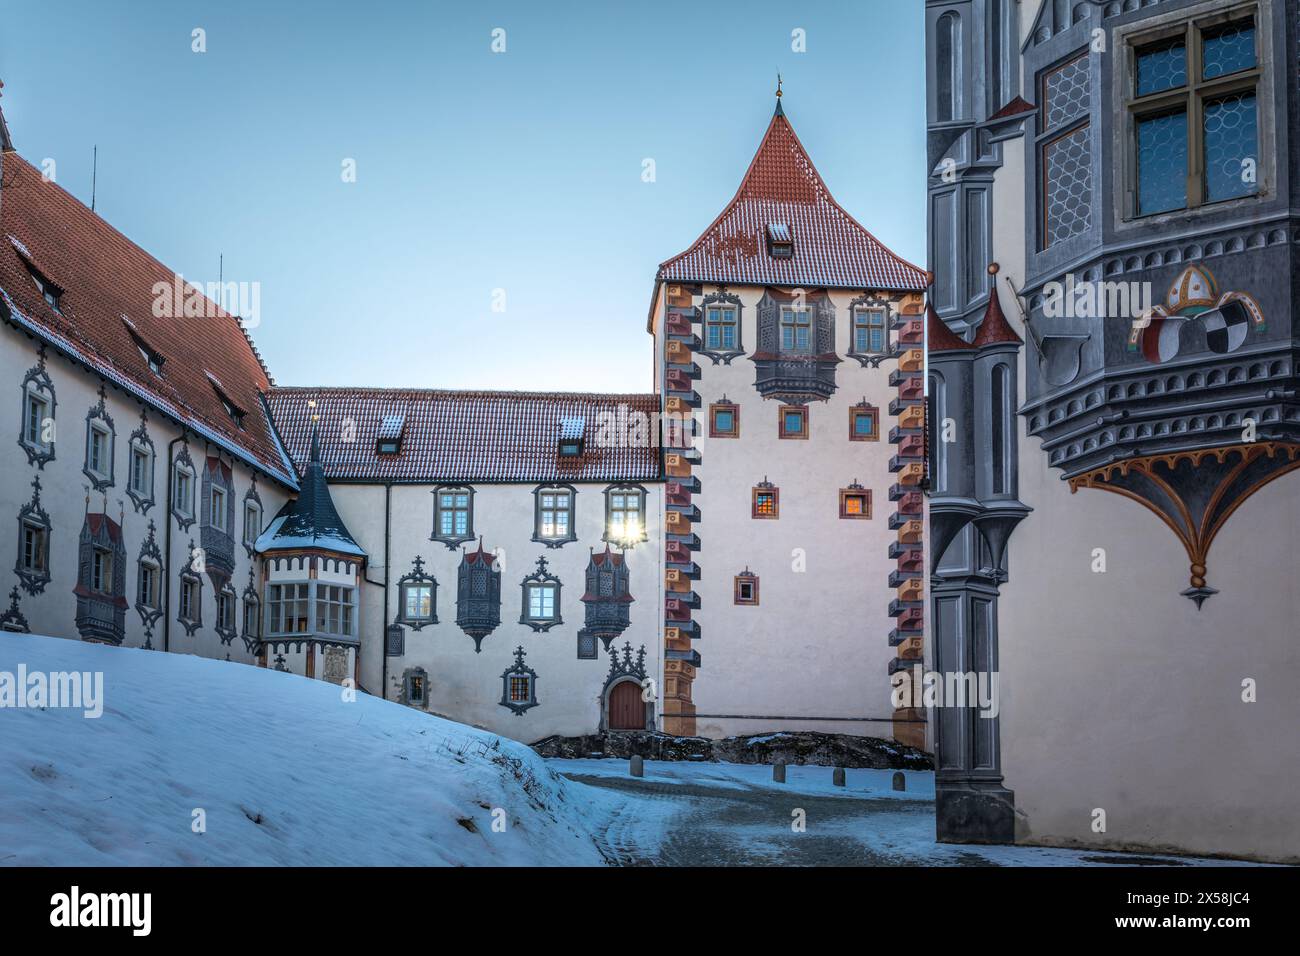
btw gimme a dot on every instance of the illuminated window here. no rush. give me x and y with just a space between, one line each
766 501
855 502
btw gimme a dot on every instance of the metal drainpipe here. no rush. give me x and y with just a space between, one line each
167 579
383 631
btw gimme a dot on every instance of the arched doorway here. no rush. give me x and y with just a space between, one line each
626 708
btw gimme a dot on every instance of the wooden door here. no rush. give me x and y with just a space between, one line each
626 708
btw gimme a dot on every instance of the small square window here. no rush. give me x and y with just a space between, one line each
793 422
724 420
864 423
855 502
388 446
766 501
746 588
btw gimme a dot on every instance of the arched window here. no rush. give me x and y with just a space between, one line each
935 403
947 44
1001 407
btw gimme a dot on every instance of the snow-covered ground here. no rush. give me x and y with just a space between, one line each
686 813
279 769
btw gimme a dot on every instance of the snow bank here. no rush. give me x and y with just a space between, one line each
280 770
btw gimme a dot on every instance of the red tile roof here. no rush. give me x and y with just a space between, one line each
107 302
831 249
995 328
470 436
940 338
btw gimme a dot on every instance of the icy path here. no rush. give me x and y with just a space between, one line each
690 814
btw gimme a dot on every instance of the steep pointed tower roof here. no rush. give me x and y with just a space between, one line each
6 144
310 521
940 338
783 198
995 328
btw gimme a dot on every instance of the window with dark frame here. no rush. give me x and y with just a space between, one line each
855 502
724 419
869 334
796 330
793 421
766 501
720 328
35 556
1192 105
553 521
864 423
147 585
453 515
746 588
1065 151
35 414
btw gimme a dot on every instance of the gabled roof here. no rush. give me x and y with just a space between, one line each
472 436
309 522
831 249
107 303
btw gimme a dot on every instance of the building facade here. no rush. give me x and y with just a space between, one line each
530 563
789 359
1112 389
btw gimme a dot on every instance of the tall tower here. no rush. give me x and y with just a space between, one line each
790 361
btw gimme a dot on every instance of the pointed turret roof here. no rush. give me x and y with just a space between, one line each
940 338
6 144
310 521
995 328
783 188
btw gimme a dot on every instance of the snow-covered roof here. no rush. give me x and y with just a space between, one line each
310 521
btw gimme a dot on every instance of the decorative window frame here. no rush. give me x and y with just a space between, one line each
12 621
252 600
783 432
765 487
721 298
407 683
98 420
724 405
227 633
519 670
140 441
151 555
869 303
855 490
1191 21
33 582
453 541
555 541
746 577
588 645
416 576
864 408
541 576
252 496
625 487
190 575
37 382
183 462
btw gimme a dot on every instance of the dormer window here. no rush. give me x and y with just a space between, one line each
388 440
571 437
234 411
780 240
152 357
50 292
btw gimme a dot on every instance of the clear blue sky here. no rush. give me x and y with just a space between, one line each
475 171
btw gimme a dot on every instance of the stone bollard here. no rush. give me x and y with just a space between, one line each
900 782
638 765
838 777
778 772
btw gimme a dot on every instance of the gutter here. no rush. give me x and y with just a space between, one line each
167 547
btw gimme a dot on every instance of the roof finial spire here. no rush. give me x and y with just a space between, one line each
315 431
779 111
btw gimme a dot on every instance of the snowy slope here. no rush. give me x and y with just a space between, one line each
284 770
